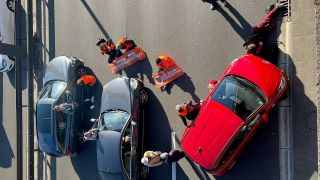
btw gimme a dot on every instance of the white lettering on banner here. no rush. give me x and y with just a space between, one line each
131 57
171 73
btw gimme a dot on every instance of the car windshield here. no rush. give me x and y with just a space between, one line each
53 89
113 120
239 95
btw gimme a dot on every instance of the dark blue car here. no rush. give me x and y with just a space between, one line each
59 132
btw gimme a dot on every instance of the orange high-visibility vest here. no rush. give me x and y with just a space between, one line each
184 111
165 62
89 80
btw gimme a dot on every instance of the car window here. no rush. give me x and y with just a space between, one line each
239 95
113 120
126 149
239 138
53 89
61 127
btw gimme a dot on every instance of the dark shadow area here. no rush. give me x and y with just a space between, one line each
157 135
139 69
260 158
94 17
243 29
185 84
52 31
38 66
53 168
180 172
85 163
5 150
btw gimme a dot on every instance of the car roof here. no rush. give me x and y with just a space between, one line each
108 152
257 70
58 69
213 129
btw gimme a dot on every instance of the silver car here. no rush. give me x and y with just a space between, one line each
121 130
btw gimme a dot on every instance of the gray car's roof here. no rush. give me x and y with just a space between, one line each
58 69
117 94
108 152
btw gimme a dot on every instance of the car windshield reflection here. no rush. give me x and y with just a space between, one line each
239 95
113 120
53 89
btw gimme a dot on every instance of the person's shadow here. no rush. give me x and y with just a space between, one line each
185 84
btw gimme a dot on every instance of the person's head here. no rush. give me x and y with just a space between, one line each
179 108
251 48
100 41
145 161
158 61
80 82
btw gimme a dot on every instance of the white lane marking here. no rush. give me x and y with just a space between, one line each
173 146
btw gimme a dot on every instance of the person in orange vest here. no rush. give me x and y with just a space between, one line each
164 62
88 81
107 47
188 110
126 44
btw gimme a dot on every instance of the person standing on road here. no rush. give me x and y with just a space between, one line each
88 81
188 110
107 47
255 42
154 158
126 44
214 3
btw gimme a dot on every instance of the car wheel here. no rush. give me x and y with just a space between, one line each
11 5
144 172
143 96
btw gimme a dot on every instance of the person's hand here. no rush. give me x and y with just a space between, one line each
210 86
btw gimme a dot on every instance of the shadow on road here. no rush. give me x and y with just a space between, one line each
185 84
157 134
5 150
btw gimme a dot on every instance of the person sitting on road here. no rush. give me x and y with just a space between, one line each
164 62
154 158
67 108
188 110
107 47
88 81
92 134
254 43
126 44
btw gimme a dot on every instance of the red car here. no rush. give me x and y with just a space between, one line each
234 110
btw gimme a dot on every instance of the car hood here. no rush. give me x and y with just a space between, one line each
108 151
257 70
117 94
214 127
58 68
44 125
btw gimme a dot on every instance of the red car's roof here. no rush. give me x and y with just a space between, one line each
210 134
262 73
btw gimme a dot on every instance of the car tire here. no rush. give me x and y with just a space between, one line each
11 5
12 58
143 96
144 172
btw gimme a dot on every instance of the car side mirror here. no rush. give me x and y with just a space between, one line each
265 117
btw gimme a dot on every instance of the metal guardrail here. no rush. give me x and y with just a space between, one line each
287 13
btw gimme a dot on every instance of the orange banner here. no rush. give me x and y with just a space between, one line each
127 59
168 75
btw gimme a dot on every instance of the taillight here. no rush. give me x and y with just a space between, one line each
68 152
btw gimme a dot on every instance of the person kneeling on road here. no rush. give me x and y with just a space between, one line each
88 81
154 158
126 44
164 62
107 47
189 111
92 134
67 108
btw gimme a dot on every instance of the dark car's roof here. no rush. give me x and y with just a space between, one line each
108 152
58 69
45 125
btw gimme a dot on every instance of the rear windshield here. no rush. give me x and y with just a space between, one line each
53 89
239 95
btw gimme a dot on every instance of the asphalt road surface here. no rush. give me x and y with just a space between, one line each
203 42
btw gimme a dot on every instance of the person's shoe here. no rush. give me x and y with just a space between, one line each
225 3
92 106
212 6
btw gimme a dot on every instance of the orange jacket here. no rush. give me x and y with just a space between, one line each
126 44
89 80
165 62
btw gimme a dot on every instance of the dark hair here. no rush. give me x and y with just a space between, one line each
158 60
251 48
100 41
